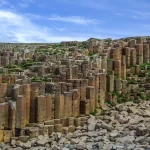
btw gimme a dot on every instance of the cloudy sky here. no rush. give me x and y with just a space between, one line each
65 20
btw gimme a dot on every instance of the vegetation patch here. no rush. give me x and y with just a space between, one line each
94 112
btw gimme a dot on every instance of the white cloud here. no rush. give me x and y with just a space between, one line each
18 28
23 5
73 19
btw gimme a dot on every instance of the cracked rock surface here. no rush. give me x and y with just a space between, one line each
122 127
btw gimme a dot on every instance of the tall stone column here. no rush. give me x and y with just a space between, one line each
49 107
110 83
1 79
27 93
68 73
20 112
75 102
118 85
109 65
104 63
128 56
40 109
59 106
132 43
90 90
12 117
146 53
3 90
2 116
133 56
115 53
139 53
117 68
96 90
34 94
6 105
15 91
68 104
123 67
102 90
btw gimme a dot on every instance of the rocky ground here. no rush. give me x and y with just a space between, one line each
123 127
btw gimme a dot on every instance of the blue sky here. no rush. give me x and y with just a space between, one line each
67 20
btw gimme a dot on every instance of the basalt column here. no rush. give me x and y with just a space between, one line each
49 107
40 109
12 117
3 90
96 90
109 65
128 56
84 104
90 90
75 102
132 43
68 104
123 67
20 113
139 54
110 83
27 92
34 94
102 90
2 121
104 63
115 53
59 106
146 53
133 56
117 68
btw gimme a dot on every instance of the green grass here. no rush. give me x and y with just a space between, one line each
117 95
91 54
110 103
142 67
131 82
143 96
94 113
39 79
1 71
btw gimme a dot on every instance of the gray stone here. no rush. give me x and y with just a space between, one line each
26 145
91 126
75 141
140 139
42 142
130 146
121 119
81 147
114 133
126 139
106 126
118 146
13 142
120 107
141 131
55 147
65 148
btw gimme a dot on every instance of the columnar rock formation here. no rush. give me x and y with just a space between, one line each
52 90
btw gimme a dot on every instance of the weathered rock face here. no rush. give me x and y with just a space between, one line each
100 132
54 87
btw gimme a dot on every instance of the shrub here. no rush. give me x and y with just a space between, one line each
94 112
131 82
143 96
